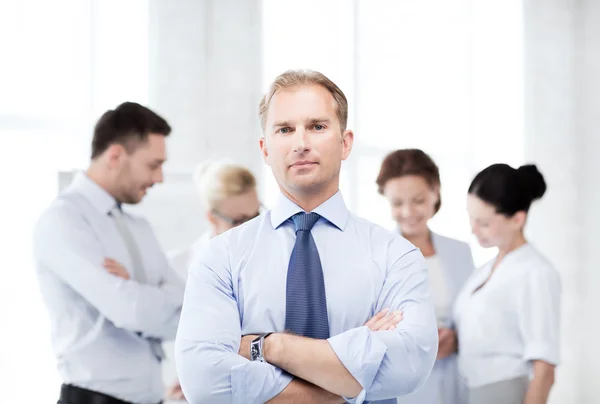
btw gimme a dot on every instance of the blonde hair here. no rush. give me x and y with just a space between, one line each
217 181
294 78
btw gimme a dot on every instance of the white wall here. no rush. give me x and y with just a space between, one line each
588 126
561 109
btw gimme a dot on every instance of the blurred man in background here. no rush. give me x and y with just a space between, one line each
106 329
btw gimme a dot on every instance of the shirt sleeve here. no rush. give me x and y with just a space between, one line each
65 244
539 315
390 364
206 349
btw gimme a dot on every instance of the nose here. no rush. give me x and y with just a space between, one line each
406 211
301 141
158 176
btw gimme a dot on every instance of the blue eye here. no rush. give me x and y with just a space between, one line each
284 130
319 127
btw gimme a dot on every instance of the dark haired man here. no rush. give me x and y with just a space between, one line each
106 329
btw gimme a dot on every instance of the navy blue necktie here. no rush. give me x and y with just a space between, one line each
306 304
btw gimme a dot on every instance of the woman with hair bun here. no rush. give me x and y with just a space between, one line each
507 314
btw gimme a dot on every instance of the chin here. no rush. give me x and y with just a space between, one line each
306 183
133 200
485 244
412 230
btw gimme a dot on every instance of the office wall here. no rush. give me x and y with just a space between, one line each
562 96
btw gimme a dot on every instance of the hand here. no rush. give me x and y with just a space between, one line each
116 268
385 320
448 344
245 346
174 392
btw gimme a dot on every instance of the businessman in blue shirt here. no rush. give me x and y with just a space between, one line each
275 309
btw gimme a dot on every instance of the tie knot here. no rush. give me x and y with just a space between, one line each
305 221
115 211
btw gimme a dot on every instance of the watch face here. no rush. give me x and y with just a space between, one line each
253 352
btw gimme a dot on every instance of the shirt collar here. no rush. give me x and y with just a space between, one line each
334 210
94 193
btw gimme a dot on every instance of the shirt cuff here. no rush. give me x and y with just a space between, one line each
541 351
362 355
257 382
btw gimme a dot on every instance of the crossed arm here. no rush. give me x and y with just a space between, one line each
65 244
360 363
320 376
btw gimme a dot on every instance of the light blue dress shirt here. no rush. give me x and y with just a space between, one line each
237 286
99 321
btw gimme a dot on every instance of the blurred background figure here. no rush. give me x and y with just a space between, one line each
229 198
106 283
508 313
410 181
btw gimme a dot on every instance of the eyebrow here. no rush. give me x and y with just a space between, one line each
281 124
312 122
320 120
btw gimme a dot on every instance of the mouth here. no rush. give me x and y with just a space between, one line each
304 164
410 222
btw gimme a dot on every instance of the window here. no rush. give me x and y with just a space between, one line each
443 76
64 63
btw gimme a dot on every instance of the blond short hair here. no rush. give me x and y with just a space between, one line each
217 181
295 78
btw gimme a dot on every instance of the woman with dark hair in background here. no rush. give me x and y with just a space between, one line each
410 181
507 314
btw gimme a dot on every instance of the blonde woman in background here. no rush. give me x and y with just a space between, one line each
229 198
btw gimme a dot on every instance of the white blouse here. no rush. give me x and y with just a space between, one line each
511 321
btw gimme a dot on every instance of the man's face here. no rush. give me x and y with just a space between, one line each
303 142
141 169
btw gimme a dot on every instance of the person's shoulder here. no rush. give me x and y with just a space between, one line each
235 240
536 264
248 232
381 236
456 247
63 215
64 208
452 242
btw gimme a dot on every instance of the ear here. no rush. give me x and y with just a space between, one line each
211 218
114 154
347 142
519 219
264 151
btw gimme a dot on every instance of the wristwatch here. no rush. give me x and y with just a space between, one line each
256 348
